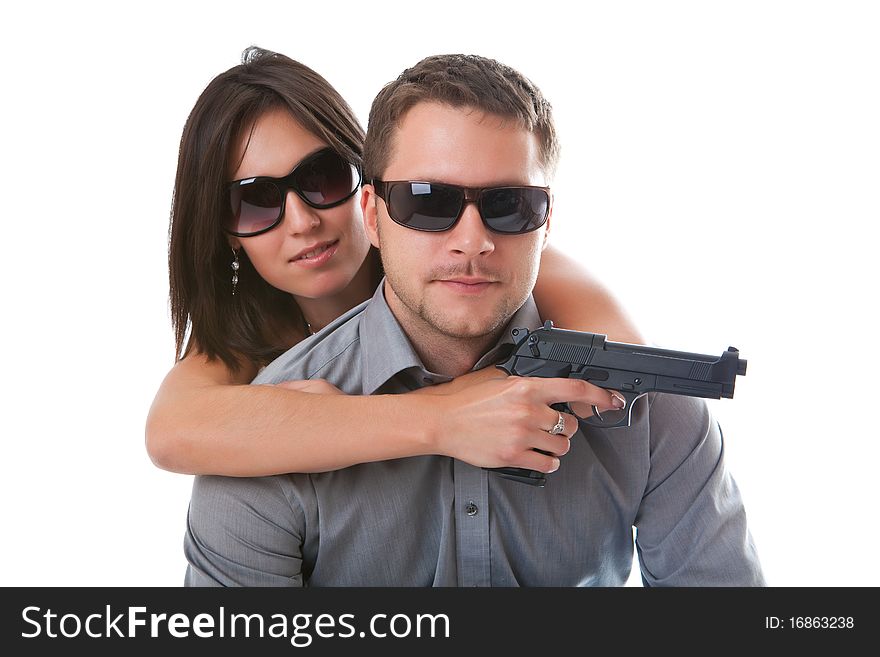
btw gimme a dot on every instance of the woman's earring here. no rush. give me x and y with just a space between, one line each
235 267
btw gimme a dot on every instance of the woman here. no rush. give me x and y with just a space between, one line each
267 246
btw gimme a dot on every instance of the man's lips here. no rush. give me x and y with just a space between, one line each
316 254
466 285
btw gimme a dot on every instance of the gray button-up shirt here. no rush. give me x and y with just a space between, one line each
436 521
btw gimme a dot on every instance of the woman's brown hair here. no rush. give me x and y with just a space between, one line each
204 313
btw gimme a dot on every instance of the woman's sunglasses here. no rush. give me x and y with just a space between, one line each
322 180
436 207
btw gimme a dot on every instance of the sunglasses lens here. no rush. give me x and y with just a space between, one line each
322 180
326 179
424 206
514 210
436 207
255 207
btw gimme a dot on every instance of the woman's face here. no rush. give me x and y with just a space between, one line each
311 253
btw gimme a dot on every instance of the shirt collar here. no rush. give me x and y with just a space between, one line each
386 349
387 352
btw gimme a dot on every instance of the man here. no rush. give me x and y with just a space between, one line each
459 153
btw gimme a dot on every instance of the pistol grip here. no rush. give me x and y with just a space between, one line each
522 475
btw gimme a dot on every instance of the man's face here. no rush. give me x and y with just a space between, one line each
468 281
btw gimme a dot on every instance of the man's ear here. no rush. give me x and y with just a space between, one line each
369 201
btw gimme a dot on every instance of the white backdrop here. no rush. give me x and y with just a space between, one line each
720 172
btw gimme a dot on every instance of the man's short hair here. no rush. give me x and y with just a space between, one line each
459 81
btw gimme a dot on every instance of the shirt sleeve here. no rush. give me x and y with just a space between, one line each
243 531
691 523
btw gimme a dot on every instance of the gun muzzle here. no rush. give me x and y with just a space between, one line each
741 363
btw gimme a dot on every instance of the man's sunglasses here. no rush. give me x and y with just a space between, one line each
322 180
437 207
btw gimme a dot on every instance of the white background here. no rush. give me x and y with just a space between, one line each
720 173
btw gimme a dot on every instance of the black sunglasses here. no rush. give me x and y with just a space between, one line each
323 180
437 207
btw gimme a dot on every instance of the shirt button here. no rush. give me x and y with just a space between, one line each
471 508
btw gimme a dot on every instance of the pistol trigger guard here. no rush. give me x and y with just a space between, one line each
630 398
613 419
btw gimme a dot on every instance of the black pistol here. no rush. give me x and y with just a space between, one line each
632 370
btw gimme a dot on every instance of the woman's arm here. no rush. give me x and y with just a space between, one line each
207 420
572 298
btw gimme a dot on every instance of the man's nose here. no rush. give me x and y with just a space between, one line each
469 236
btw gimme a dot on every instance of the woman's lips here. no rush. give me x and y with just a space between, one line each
316 256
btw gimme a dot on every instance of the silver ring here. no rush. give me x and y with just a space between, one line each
597 414
559 427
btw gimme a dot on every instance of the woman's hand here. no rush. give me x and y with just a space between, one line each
497 421
489 419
